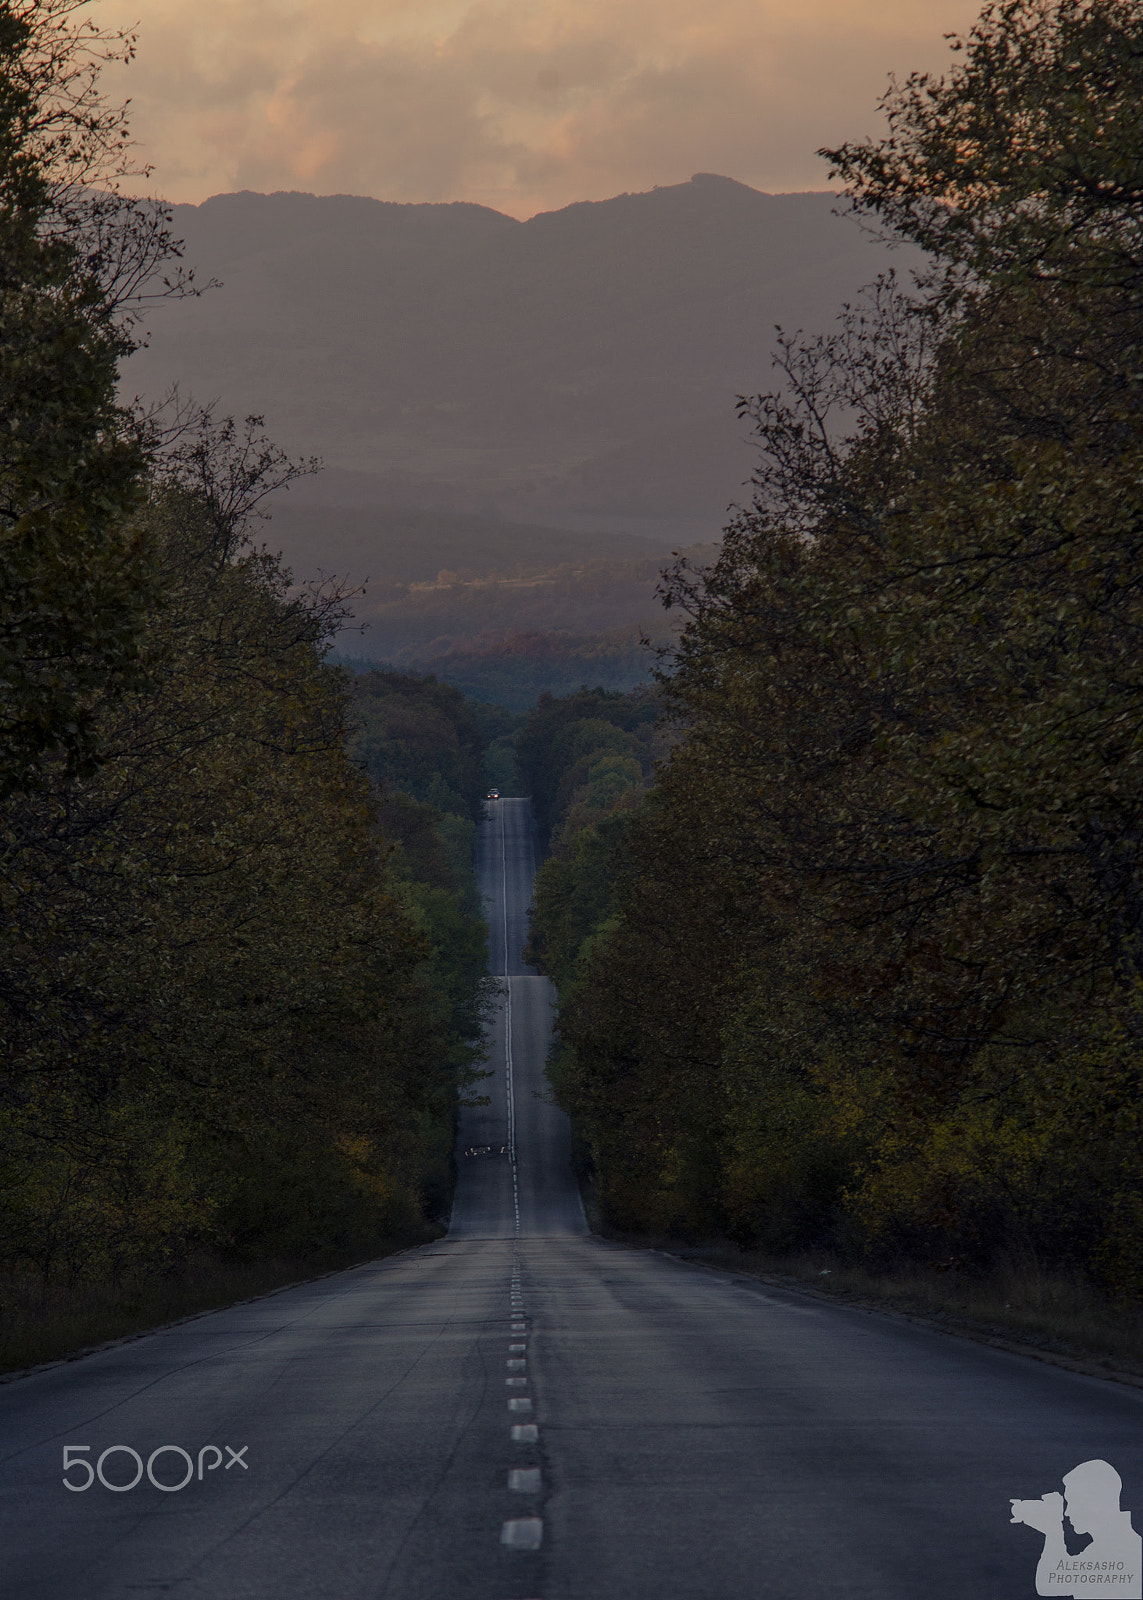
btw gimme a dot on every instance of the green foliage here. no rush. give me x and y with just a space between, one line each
227 1020
575 895
1023 164
563 737
73 254
587 760
519 668
423 737
423 745
233 1017
871 976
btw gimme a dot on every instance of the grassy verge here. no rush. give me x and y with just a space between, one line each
1051 1315
39 1324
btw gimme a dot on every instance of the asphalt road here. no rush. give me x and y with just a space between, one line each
524 1412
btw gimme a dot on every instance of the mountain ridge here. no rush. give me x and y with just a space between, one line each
577 368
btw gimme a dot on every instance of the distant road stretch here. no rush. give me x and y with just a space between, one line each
524 1412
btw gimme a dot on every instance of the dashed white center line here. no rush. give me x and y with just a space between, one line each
509 1084
519 1533
523 1533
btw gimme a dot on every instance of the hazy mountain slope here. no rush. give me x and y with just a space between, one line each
505 610
404 546
578 367
410 623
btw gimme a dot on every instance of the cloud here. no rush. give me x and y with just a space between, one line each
524 105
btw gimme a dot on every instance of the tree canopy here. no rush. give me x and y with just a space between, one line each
77 260
873 976
235 1014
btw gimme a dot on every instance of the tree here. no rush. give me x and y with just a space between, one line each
77 262
912 710
226 1020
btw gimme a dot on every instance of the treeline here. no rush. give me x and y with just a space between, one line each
234 1016
587 761
866 973
514 671
471 608
425 747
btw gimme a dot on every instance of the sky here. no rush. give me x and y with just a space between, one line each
523 105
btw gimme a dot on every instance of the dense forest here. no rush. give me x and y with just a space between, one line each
845 911
467 609
506 611
551 621
862 968
242 959
516 670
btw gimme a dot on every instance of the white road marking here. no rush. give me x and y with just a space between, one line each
518 1327
518 1404
524 1480
523 1533
516 1349
516 1383
509 1083
525 1433
515 1365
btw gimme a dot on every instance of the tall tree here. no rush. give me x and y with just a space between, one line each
914 715
77 260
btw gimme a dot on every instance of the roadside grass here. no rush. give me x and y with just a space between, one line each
41 1323
1058 1316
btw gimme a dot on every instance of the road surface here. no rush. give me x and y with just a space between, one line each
524 1412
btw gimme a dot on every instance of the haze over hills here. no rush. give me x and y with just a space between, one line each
578 369
540 409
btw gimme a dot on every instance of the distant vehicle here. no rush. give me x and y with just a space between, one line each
494 794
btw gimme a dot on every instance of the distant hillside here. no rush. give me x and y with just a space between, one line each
515 672
579 368
410 623
504 610
397 545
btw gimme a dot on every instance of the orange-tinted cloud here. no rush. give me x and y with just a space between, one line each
524 105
